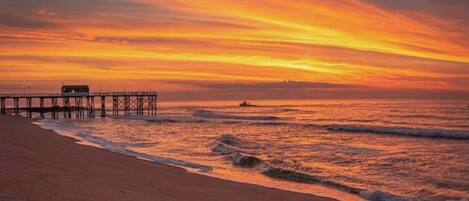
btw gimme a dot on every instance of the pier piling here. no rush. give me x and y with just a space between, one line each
55 107
29 103
103 106
16 105
41 106
3 106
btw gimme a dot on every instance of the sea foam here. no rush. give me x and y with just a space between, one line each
121 148
377 195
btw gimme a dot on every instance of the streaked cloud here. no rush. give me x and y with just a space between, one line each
386 44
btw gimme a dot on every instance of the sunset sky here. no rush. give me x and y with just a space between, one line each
204 45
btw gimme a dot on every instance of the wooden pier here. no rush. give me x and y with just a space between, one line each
81 105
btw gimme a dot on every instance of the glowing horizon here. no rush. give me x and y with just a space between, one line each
351 42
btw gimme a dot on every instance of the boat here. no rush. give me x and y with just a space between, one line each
246 104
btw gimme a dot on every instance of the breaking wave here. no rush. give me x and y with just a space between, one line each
428 116
273 171
297 176
401 131
231 147
377 195
215 115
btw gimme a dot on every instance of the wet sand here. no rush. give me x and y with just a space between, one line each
39 165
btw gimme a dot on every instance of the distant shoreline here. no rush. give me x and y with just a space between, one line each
37 164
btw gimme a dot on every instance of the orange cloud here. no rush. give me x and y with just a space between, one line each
342 42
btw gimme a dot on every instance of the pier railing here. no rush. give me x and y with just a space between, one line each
79 104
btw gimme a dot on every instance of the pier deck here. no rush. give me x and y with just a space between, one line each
79 104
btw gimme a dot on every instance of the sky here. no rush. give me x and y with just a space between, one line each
226 47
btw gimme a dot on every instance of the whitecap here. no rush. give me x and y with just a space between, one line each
416 132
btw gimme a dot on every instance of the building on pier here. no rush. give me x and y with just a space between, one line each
70 90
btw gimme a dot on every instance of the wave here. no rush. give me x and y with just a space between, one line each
232 147
222 149
229 139
286 110
162 119
167 120
298 176
401 131
229 143
346 120
214 115
229 146
377 195
120 148
248 161
270 123
428 116
270 169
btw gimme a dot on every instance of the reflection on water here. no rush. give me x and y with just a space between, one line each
380 150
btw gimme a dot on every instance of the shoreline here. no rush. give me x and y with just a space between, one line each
315 189
38 164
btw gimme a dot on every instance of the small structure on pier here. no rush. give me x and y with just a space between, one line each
75 90
77 100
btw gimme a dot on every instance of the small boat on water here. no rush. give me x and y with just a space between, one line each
246 104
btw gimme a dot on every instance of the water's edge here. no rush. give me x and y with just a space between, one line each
88 140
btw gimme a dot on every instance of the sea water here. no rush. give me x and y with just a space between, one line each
379 150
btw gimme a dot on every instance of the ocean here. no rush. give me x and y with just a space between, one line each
378 150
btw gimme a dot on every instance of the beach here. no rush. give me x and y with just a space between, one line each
38 164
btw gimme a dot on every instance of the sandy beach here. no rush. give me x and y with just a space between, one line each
37 164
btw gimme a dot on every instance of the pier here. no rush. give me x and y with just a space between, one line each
81 105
